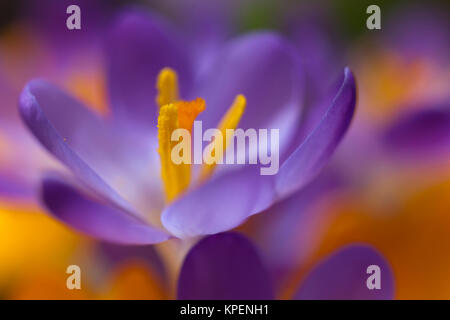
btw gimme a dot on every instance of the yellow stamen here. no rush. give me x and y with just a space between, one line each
229 121
176 177
167 85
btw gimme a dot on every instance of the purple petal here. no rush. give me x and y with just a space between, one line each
223 266
420 134
263 67
139 46
220 204
344 275
310 157
96 218
70 132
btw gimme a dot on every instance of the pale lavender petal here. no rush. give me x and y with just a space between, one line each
224 266
263 67
310 157
344 275
220 204
139 46
69 132
96 217
422 134
314 110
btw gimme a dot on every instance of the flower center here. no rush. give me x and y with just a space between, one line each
178 114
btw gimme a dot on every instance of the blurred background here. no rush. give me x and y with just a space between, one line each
387 185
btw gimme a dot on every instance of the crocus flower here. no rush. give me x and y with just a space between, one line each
117 193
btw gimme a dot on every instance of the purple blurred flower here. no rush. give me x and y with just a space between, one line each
228 266
39 46
420 135
117 189
430 36
404 102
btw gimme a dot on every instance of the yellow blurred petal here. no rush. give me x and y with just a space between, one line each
30 239
135 281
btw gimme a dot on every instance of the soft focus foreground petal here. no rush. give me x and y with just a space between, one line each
224 266
344 275
309 158
220 204
139 47
71 133
265 69
422 134
100 220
